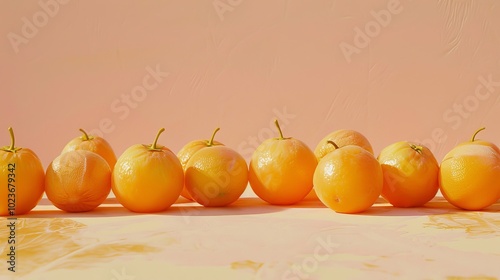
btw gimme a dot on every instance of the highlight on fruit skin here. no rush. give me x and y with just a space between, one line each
469 175
23 175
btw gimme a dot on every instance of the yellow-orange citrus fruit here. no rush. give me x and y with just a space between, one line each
189 150
22 174
281 170
341 137
78 181
147 178
94 144
216 176
469 176
411 174
348 180
475 141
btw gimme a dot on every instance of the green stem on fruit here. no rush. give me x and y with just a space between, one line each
418 149
12 148
12 139
211 141
475 133
279 129
333 143
85 136
153 146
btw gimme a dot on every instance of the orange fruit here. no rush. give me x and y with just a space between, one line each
189 150
281 170
216 176
147 178
22 176
341 137
410 174
348 180
94 144
78 181
469 176
475 141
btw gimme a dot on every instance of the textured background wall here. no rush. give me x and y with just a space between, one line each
394 70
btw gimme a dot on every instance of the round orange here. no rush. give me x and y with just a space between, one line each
22 174
189 150
147 178
410 174
281 170
341 137
78 181
469 176
348 180
216 176
94 144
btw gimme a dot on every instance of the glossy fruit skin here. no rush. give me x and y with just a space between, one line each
78 181
411 177
348 180
281 171
29 180
147 181
187 152
94 144
216 176
469 176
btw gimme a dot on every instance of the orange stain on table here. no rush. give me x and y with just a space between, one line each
370 265
57 243
248 264
473 223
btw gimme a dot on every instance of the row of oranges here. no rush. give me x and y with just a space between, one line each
343 170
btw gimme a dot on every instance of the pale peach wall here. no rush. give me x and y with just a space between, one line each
235 64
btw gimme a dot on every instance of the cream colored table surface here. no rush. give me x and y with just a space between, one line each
254 240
